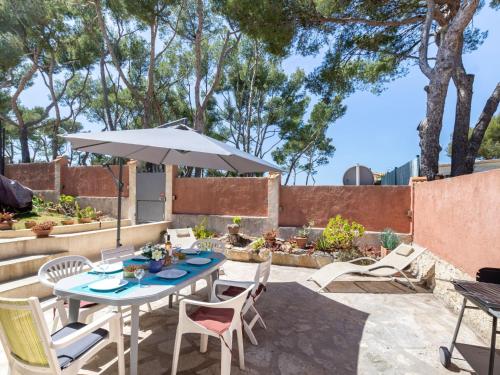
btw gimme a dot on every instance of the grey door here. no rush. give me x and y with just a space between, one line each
150 197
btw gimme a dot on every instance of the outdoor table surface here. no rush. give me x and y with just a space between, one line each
74 288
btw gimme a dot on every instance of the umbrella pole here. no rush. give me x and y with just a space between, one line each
120 190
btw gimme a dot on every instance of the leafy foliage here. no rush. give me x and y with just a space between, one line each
201 232
340 234
389 239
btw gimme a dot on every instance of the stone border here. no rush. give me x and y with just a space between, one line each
65 229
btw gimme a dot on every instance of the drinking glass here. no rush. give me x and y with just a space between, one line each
104 267
139 274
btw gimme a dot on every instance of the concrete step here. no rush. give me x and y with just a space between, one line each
25 287
24 266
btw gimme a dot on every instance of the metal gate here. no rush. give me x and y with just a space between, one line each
150 197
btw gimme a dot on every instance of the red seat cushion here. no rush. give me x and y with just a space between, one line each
234 291
215 320
84 304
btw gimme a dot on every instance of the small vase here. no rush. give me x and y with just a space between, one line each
155 266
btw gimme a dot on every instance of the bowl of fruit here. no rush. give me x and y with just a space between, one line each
128 271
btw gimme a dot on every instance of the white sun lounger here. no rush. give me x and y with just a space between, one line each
389 266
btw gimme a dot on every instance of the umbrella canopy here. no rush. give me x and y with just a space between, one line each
174 145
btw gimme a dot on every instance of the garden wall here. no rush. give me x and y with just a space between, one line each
245 196
92 181
376 207
36 176
458 219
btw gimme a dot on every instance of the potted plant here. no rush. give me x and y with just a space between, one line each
68 221
270 238
85 215
388 241
303 235
6 220
29 224
43 229
155 254
234 228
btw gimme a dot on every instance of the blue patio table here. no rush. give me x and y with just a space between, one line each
153 288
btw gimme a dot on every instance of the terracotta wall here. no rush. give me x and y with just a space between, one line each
36 176
92 181
458 219
221 196
376 207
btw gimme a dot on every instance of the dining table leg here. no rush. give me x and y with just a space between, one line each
134 339
74 310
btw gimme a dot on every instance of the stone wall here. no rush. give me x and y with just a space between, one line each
376 207
36 176
220 196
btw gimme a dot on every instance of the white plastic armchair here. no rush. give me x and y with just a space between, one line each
118 254
209 244
230 288
56 269
183 237
216 319
31 349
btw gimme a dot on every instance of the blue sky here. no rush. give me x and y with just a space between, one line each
379 131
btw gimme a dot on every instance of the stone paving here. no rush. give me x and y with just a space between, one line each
390 330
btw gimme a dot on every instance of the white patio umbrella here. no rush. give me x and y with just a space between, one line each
168 144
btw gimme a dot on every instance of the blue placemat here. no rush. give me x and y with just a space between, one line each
150 278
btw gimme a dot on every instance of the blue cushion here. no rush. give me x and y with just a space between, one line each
78 348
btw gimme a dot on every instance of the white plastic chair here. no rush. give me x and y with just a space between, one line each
31 349
183 237
56 269
119 254
208 244
233 288
217 319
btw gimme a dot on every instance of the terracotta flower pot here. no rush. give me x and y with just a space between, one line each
85 220
300 241
233 228
67 222
42 233
29 224
6 225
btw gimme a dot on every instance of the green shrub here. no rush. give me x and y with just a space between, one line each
389 239
340 234
237 220
322 244
201 232
258 244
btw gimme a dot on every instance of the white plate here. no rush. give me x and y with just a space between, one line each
114 267
198 261
106 285
189 251
172 273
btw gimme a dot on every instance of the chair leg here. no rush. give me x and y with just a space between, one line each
259 317
203 343
177 350
225 353
249 332
241 349
55 323
150 309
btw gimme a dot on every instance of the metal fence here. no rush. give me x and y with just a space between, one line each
401 175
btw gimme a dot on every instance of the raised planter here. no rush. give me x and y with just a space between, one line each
43 233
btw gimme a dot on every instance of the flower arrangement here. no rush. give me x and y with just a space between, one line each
154 252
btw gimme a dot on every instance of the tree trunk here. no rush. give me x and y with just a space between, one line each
460 140
480 129
430 127
105 92
23 141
